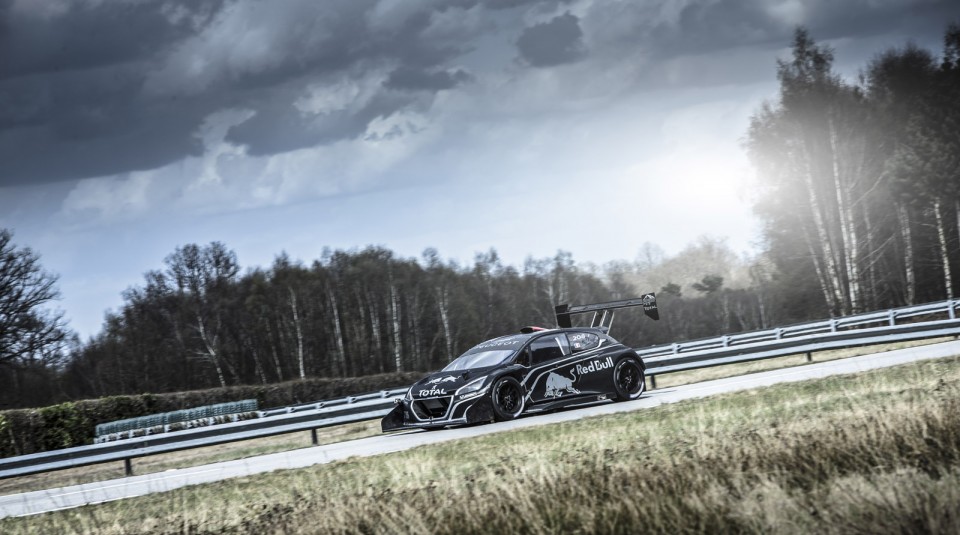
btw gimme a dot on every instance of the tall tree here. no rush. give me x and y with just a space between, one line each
34 339
813 149
927 160
202 279
896 81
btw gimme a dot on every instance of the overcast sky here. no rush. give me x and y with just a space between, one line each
130 127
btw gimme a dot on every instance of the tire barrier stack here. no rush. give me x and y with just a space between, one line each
175 420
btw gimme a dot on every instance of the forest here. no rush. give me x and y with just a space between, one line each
857 187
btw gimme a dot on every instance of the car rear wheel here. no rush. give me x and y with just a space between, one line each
628 379
507 398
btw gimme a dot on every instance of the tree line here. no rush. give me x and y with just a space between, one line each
859 182
198 322
857 188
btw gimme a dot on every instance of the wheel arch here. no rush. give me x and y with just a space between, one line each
516 373
629 353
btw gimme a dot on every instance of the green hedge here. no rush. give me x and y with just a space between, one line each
24 431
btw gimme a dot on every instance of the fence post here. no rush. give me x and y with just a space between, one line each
127 467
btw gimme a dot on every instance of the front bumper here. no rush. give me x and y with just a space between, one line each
406 416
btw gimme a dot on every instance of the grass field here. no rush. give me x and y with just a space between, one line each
875 452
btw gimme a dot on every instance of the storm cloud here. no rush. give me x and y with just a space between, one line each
552 43
100 88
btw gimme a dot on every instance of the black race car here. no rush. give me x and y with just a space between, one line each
534 371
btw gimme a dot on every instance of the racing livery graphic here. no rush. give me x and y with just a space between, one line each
534 371
558 385
441 380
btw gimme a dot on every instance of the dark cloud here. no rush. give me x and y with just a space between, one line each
99 88
552 43
707 26
866 18
706 43
510 4
70 76
279 126
409 79
90 88
41 37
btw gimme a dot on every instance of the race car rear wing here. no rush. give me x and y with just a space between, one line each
603 312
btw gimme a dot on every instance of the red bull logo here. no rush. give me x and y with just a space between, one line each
558 385
595 366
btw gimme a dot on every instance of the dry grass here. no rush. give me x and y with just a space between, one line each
877 452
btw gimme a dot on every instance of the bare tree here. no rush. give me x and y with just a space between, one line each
29 331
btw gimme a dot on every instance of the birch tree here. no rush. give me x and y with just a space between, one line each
202 277
810 147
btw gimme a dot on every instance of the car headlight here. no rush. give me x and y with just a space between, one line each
473 388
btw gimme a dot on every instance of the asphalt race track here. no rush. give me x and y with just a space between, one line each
36 502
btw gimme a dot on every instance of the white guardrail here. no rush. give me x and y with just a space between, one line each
850 331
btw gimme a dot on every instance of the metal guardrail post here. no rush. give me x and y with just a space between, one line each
128 467
314 438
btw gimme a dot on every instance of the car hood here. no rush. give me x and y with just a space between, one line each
445 383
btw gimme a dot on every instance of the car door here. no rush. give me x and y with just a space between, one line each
591 368
548 379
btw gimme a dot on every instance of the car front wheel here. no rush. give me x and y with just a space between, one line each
628 379
507 398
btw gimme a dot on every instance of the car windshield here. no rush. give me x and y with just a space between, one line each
479 359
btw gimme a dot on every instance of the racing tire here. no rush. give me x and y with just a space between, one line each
628 379
507 399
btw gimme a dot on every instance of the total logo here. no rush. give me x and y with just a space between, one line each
432 392
595 366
